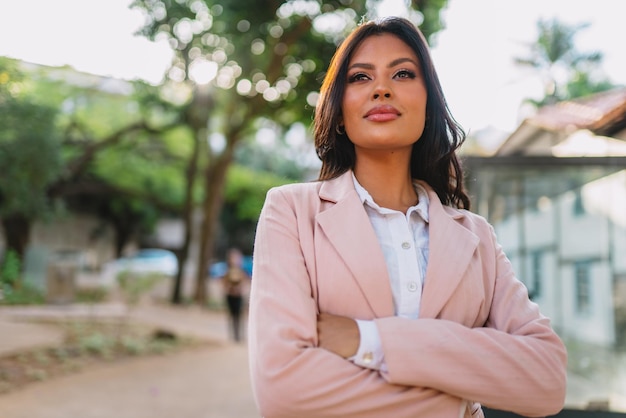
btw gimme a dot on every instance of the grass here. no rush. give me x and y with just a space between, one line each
86 343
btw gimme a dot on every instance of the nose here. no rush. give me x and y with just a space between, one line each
382 91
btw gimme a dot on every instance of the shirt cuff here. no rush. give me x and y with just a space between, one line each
370 353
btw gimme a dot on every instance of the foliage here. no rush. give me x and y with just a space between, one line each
92 295
13 291
29 157
24 294
10 269
30 154
246 190
143 168
567 72
272 60
290 155
11 78
431 22
86 344
68 138
584 84
124 152
244 197
134 286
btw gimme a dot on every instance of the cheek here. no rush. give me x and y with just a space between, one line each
348 109
417 96
347 103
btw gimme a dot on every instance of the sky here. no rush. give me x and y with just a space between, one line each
473 54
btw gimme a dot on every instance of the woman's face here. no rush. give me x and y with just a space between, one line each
384 104
234 258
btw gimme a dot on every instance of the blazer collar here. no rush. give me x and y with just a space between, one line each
349 230
451 248
338 188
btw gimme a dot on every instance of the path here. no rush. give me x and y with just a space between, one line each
210 381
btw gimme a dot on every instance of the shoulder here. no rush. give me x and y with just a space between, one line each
293 197
465 217
475 223
470 219
462 215
296 188
313 192
294 192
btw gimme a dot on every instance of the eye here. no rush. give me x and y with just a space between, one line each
358 77
405 74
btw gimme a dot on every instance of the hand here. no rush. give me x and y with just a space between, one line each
338 334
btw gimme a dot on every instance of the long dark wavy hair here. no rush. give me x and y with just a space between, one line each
433 158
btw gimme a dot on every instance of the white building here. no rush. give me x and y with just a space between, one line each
555 192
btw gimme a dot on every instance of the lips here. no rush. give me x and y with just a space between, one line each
382 113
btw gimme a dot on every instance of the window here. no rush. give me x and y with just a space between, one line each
536 274
579 207
582 277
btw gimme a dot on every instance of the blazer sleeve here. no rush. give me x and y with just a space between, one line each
515 362
290 375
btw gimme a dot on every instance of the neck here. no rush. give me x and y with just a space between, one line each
388 180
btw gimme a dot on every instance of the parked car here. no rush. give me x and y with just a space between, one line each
218 268
144 261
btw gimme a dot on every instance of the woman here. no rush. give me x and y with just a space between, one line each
375 292
235 282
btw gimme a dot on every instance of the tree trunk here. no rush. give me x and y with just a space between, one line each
124 230
214 195
197 116
187 214
17 234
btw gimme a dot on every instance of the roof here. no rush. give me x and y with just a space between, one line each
603 114
595 112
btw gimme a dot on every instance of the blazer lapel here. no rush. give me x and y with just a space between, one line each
350 232
451 249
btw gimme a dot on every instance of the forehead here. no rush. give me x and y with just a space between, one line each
382 47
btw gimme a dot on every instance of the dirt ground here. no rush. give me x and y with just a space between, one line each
205 379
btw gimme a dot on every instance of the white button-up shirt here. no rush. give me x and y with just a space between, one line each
403 238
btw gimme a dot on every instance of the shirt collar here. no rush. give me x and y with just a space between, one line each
421 208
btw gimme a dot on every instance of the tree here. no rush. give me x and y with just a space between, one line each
244 196
584 83
563 68
124 174
63 146
241 61
30 157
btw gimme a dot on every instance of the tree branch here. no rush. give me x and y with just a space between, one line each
79 164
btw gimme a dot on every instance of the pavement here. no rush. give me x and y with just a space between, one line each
207 381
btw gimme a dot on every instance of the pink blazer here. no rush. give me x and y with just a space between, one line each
479 339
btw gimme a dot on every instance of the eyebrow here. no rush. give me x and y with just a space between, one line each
390 65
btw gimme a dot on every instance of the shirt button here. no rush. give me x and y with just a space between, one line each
406 245
367 357
412 286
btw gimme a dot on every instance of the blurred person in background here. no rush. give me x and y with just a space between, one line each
235 283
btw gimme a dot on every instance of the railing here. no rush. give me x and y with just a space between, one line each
566 413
